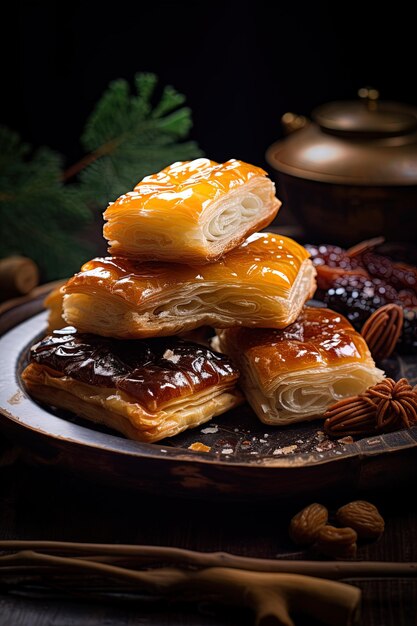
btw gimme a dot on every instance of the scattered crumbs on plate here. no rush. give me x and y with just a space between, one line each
320 435
262 441
210 430
373 442
299 441
345 440
266 435
162 450
289 449
325 445
338 452
227 451
285 450
253 453
254 438
170 356
197 446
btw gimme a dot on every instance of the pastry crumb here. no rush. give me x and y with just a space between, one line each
210 430
373 442
347 439
197 446
285 450
170 356
227 451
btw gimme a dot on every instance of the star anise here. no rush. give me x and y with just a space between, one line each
384 407
396 404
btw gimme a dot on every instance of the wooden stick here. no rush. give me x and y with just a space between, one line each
139 554
40 291
18 276
270 596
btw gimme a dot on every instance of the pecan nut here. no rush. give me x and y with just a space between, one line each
350 416
339 543
382 330
306 524
363 517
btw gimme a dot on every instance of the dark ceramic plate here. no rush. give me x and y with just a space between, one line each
247 459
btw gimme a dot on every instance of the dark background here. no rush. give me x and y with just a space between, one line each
241 64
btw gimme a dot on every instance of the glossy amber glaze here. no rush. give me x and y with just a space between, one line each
266 261
319 338
183 187
53 302
152 372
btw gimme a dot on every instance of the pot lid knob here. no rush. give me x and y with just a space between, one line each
370 97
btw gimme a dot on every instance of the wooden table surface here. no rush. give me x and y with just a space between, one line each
44 503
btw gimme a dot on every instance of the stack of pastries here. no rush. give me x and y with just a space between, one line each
186 253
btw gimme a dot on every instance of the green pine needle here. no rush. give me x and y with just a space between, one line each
38 213
129 138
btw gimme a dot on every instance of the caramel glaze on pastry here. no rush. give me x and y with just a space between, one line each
147 390
193 212
295 374
264 282
53 304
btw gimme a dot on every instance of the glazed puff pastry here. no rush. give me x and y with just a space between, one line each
53 303
192 211
147 390
265 282
295 374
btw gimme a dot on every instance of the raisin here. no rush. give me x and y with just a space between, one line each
357 297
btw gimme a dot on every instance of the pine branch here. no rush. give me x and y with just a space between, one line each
37 212
128 138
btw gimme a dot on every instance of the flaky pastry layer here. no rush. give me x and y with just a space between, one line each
295 374
192 211
116 410
53 304
263 283
147 390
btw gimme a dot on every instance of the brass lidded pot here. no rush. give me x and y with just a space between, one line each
351 173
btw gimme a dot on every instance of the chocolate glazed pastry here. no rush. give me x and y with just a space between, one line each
147 390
